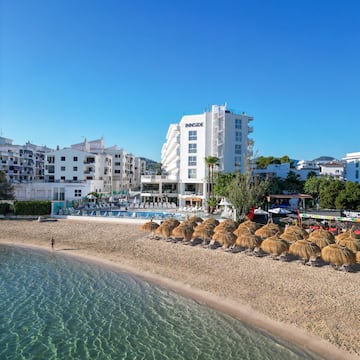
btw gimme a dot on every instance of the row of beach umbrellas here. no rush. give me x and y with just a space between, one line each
342 250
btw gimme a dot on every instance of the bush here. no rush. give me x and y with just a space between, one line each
4 208
32 208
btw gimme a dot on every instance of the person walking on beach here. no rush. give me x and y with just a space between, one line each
52 242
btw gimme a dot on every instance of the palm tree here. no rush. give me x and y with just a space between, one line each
211 162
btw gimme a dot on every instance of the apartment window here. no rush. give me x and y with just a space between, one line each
237 123
192 173
75 178
117 171
62 178
237 149
356 174
63 168
356 163
77 192
192 161
192 148
237 136
237 161
63 158
192 135
75 168
117 164
75 158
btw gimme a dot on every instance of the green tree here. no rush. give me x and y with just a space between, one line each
330 192
349 197
293 184
211 162
245 192
6 189
221 184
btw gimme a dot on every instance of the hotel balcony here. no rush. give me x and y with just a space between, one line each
250 129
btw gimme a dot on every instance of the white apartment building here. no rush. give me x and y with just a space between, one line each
352 167
70 165
22 163
335 169
220 133
127 170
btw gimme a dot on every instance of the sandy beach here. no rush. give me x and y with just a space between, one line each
317 308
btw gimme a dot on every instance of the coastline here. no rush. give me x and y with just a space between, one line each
198 273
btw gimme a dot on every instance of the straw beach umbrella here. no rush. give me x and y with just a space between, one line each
196 219
337 255
149 227
248 241
295 229
305 250
274 245
203 232
350 242
224 238
183 231
268 230
291 237
357 257
212 221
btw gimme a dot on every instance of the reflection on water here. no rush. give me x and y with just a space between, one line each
53 307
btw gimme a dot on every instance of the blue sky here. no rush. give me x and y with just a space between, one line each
125 70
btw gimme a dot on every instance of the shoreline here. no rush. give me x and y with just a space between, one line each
122 260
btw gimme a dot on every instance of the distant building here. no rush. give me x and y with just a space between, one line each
334 169
22 163
219 133
352 167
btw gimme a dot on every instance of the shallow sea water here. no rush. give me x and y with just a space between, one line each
56 307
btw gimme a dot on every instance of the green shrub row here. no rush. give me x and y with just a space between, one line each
32 208
4 208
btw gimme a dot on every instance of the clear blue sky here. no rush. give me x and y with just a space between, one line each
125 70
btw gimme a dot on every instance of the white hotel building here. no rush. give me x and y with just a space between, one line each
220 133
352 167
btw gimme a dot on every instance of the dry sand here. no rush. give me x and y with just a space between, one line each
316 308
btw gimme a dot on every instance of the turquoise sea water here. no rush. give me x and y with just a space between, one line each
54 307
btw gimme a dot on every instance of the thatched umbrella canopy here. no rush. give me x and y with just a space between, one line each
346 234
224 238
267 230
190 222
337 255
171 222
274 245
196 219
204 232
149 227
291 237
357 257
243 230
226 225
295 229
350 241
322 233
166 228
183 231
248 241
253 226
321 242
305 249
211 221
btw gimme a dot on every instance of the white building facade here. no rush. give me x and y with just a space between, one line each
22 163
218 133
352 167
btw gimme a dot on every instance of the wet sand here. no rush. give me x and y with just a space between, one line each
315 308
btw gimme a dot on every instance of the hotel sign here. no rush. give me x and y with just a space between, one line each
198 124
